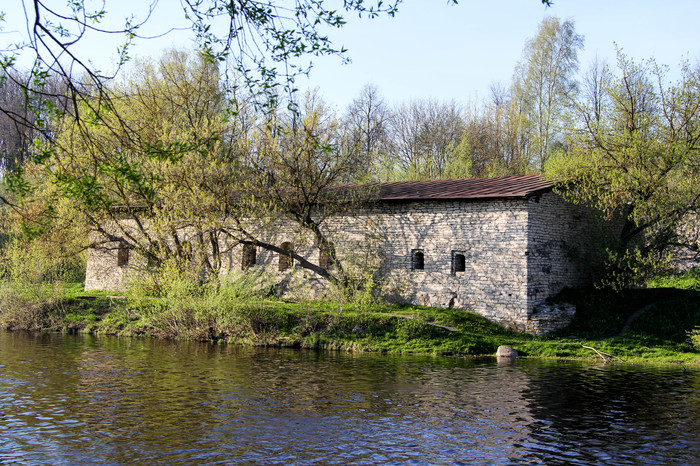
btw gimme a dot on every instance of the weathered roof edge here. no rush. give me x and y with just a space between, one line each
504 187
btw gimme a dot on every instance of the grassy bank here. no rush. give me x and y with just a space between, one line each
659 334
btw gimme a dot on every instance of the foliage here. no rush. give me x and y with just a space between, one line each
264 42
661 334
637 161
495 141
544 83
168 171
688 280
135 168
19 115
694 336
37 262
293 165
513 133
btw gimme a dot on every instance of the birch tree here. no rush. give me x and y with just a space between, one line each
544 83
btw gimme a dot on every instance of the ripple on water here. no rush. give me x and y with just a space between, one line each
69 400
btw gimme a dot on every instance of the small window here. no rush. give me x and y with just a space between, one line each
249 256
184 250
459 263
324 259
417 260
152 257
152 262
122 255
285 259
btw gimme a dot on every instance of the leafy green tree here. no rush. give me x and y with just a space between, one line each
148 167
495 140
637 159
168 171
544 83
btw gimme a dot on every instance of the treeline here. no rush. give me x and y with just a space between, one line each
154 162
513 132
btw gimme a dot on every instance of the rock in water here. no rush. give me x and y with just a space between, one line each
506 352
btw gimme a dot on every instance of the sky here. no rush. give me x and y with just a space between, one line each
435 50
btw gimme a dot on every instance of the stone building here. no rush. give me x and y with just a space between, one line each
498 247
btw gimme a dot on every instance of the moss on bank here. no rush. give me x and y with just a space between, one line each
660 334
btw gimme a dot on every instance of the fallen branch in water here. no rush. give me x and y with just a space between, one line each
601 353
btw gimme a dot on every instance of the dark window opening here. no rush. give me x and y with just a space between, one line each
324 259
459 263
418 260
285 259
184 250
249 256
122 255
152 262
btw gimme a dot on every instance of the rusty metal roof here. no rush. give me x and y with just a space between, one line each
470 188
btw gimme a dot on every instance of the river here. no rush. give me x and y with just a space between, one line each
81 399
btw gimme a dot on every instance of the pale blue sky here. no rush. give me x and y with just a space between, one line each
434 50
456 52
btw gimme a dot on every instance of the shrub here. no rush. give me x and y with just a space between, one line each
694 336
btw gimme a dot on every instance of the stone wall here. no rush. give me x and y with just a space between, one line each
561 240
102 271
685 258
514 253
490 235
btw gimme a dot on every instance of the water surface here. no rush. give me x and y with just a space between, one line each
68 399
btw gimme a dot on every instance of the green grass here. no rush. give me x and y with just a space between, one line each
689 280
661 334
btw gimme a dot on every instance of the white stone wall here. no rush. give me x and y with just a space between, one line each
102 272
560 242
517 253
492 235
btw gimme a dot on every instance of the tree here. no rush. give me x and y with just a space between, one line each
424 135
368 120
169 172
265 42
496 138
292 167
147 168
544 83
141 150
637 159
17 121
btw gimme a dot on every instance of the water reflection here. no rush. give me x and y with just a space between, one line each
93 400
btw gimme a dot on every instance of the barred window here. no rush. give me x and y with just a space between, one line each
324 259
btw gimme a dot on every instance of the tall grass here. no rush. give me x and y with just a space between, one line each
32 281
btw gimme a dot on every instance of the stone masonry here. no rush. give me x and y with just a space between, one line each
499 257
